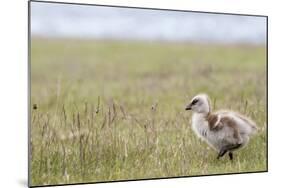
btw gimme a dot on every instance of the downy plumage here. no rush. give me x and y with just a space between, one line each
225 131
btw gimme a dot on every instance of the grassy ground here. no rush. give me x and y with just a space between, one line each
111 110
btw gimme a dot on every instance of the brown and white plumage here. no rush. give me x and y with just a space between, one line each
224 131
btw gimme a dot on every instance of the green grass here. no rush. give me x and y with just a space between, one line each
112 110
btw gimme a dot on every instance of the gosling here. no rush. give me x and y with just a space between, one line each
225 131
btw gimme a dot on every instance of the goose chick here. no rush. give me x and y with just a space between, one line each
225 131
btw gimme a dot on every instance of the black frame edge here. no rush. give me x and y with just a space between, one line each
147 8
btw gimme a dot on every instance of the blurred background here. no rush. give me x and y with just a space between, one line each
62 20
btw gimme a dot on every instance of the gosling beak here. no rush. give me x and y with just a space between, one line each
188 107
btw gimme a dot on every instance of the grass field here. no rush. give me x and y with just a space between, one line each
112 110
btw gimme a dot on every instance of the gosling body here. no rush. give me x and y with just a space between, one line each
225 131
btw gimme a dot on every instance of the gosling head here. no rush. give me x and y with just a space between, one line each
199 104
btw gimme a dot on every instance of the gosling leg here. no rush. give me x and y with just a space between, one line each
228 148
230 154
221 153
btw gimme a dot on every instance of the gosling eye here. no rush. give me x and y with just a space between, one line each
194 101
